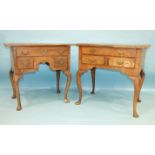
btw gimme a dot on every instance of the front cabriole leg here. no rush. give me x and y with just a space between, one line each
78 78
69 78
136 81
16 84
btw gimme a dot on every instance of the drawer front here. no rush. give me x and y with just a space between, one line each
122 62
60 63
25 63
42 51
109 51
94 60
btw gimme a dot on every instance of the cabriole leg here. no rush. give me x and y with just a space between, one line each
136 81
78 78
69 78
142 78
12 83
93 80
58 81
16 84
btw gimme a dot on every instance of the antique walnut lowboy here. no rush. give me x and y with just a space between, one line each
124 58
27 57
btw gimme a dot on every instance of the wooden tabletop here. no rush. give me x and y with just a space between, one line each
138 46
33 44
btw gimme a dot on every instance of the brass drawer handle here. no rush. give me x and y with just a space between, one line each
61 52
120 63
92 60
92 51
121 53
25 52
43 52
26 63
60 62
129 64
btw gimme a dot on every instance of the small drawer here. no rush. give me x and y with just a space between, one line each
60 62
57 51
25 63
42 51
131 53
121 62
91 50
27 51
109 51
95 60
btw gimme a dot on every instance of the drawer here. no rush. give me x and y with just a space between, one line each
25 63
109 51
95 60
42 51
121 62
60 62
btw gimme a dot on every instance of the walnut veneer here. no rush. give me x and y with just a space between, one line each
124 58
27 57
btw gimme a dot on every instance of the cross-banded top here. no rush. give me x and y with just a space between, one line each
138 46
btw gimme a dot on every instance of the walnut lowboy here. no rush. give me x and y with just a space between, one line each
124 58
27 57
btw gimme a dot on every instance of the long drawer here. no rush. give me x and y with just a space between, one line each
94 60
109 51
42 51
